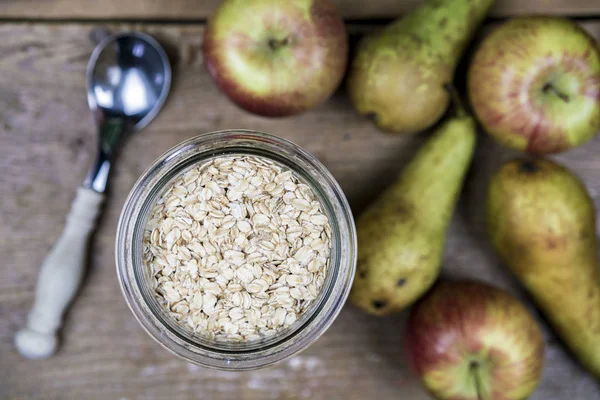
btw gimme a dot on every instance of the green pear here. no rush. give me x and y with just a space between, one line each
543 223
401 235
398 74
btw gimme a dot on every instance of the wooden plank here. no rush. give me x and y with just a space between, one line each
46 143
192 9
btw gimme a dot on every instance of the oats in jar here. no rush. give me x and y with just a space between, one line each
238 248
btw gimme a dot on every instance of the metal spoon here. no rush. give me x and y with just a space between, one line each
128 79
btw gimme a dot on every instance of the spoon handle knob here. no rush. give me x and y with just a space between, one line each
59 278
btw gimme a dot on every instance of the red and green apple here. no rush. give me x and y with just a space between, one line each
470 341
276 58
534 84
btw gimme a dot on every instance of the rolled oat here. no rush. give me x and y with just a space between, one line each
238 248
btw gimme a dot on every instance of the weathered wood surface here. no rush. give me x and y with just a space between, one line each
202 9
46 143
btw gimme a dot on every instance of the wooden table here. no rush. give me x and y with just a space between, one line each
47 142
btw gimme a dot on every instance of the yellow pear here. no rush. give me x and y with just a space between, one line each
397 75
401 235
542 221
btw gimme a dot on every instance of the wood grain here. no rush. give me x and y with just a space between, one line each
46 143
194 9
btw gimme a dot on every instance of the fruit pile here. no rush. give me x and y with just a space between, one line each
534 85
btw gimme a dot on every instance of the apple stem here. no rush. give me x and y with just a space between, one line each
474 367
274 44
459 110
548 87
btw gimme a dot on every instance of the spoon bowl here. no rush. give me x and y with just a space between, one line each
128 77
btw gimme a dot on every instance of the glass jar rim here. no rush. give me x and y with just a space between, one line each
191 152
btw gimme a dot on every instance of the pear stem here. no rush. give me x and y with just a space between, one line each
474 368
459 109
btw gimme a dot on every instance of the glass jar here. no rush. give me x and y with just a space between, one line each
135 278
